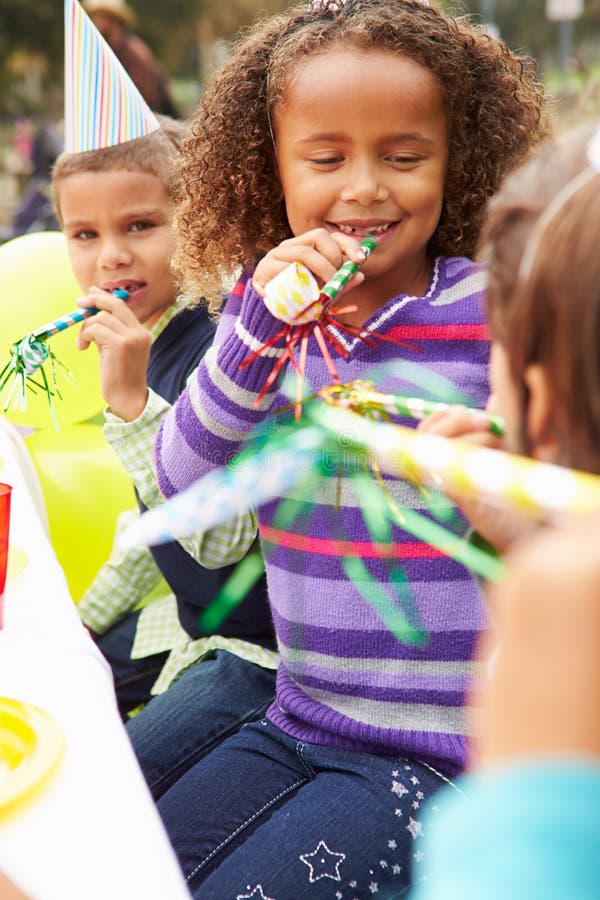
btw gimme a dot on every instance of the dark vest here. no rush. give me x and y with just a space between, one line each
174 355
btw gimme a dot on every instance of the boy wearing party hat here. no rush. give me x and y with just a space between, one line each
115 206
115 203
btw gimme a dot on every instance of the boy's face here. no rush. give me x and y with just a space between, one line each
118 226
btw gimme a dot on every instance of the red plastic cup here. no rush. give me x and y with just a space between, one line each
5 492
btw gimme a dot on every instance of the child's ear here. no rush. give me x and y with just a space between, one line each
540 417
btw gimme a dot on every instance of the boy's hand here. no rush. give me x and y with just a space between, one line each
498 527
319 250
124 349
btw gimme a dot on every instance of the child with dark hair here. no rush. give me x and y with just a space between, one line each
528 823
116 208
328 124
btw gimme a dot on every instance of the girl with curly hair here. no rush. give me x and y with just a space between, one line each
327 124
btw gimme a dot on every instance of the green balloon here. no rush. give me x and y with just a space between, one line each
85 489
36 287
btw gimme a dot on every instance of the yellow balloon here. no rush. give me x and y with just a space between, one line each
36 287
85 488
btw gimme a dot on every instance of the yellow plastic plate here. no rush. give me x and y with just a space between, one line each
31 746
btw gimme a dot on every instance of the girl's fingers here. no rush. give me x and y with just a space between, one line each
460 422
275 263
321 252
335 247
349 246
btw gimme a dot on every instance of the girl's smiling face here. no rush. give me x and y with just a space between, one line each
362 147
118 226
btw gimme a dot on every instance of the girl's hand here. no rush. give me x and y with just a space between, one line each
498 527
124 348
319 250
471 425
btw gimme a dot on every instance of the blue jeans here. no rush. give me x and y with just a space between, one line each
267 816
133 677
211 701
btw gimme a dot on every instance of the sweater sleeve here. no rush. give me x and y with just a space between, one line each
207 425
133 442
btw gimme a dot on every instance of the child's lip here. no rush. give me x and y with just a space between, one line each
123 285
376 228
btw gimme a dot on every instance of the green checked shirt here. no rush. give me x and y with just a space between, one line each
127 578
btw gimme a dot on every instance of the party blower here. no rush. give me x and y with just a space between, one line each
294 297
287 458
541 491
515 483
361 397
28 355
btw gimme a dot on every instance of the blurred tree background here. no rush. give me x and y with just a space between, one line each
190 37
523 24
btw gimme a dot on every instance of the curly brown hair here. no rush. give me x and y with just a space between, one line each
232 211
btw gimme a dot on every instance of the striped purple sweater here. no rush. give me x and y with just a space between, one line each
344 679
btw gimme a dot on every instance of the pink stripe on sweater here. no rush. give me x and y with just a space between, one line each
366 549
472 332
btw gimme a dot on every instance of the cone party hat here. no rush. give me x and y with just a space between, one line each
103 107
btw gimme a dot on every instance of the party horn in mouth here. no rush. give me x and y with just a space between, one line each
343 275
294 297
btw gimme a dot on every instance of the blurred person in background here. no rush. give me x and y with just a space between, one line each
19 157
34 210
114 19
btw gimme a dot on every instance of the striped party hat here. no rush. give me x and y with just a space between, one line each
103 107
